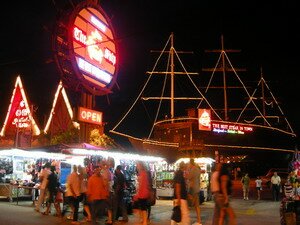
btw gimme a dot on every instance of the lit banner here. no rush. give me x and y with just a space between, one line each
89 116
204 119
94 47
231 128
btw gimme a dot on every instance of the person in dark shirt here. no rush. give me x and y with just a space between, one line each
119 187
180 195
53 186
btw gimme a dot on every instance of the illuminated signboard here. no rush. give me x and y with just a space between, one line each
204 119
89 116
231 128
89 47
94 47
18 117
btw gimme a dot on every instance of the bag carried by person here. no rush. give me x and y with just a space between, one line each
176 215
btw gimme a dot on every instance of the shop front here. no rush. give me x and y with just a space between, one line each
165 175
18 171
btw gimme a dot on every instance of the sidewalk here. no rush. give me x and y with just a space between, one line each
250 212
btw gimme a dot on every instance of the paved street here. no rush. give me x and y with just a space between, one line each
252 212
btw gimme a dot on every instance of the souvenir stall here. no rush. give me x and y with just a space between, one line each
290 204
18 169
165 175
90 158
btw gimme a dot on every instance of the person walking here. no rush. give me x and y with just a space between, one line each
43 177
96 194
215 190
225 191
73 194
53 186
193 177
82 174
258 183
119 188
246 184
275 185
180 195
143 192
108 183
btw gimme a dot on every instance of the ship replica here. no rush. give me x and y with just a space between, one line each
223 117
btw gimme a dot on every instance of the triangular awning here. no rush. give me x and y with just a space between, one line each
19 115
61 115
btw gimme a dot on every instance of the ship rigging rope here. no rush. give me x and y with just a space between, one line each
211 77
196 85
249 147
278 105
250 98
138 97
160 102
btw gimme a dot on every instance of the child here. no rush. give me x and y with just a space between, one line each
258 182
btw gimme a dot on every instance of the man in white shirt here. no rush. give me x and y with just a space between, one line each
73 193
275 182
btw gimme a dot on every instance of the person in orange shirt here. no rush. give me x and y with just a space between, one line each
96 194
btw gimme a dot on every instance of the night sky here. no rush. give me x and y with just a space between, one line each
266 33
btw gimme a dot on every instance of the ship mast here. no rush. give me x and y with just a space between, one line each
263 95
172 76
223 69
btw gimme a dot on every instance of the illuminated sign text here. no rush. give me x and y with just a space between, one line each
230 128
89 116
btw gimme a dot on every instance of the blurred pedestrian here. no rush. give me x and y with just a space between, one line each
107 176
215 190
143 192
193 176
258 185
73 194
53 186
275 185
96 194
246 184
180 195
119 201
83 178
43 179
225 191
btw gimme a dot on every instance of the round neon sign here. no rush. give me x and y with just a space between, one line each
86 50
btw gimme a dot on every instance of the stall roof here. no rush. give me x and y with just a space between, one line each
31 154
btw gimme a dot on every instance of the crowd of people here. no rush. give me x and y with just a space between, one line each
101 195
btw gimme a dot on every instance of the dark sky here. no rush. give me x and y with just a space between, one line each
266 33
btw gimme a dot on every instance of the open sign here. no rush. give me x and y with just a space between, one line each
89 116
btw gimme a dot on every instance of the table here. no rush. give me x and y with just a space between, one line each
5 191
32 190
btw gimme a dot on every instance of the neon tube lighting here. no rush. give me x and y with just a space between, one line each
98 23
94 71
36 130
126 156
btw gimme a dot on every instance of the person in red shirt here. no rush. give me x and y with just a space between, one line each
96 194
143 192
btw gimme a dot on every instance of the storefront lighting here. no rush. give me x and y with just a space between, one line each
119 155
197 160
31 154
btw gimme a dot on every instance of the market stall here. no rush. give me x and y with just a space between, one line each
290 203
18 169
165 175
